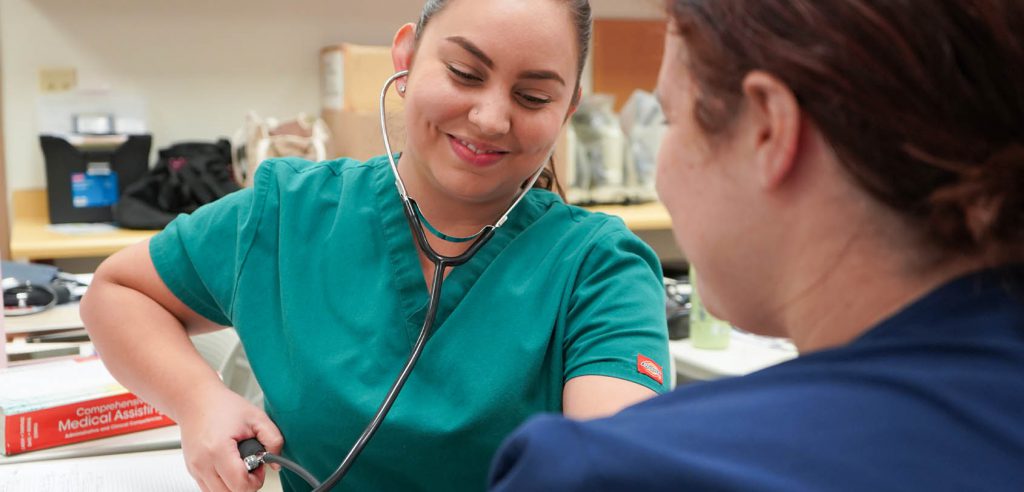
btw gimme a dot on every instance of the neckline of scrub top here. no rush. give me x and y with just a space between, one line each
404 253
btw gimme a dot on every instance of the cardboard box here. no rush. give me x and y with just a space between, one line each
356 134
352 75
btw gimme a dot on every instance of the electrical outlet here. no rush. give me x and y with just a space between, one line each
57 79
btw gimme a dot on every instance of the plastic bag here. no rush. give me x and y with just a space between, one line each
262 138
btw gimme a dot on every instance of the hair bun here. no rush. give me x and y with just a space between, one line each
1011 155
984 209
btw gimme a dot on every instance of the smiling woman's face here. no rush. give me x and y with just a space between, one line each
490 87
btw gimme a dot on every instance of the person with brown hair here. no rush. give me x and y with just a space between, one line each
848 174
321 269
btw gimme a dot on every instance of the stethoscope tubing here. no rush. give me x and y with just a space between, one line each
441 263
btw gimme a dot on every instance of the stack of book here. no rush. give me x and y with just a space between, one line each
67 401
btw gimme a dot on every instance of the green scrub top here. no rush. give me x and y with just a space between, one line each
317 270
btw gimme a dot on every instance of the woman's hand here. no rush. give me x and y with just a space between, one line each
210 433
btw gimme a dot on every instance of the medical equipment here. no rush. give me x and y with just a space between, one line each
23 298
253 453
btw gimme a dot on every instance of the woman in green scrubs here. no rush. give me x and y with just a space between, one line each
317 270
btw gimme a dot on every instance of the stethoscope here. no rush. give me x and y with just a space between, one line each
253 453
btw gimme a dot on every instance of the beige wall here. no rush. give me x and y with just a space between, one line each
5 217
200 65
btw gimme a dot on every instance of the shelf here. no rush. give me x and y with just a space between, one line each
640 217
33 238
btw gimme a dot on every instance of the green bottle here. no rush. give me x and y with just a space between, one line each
706 331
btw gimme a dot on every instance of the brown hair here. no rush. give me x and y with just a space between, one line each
922 101
582 21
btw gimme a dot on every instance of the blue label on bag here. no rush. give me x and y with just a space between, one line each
93 189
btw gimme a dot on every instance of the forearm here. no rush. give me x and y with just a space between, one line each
147 348
588 397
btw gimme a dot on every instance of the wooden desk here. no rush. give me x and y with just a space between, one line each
32 237
640 217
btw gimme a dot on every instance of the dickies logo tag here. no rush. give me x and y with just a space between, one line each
649 368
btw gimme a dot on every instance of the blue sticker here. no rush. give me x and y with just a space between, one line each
93 189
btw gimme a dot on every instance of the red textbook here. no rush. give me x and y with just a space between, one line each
62 402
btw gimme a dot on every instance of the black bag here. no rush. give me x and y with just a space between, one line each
186 176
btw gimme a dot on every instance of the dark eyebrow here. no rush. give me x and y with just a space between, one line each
477 52
472 49
541 75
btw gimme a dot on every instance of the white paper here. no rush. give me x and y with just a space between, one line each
159 471
29 387
332 83
82 229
